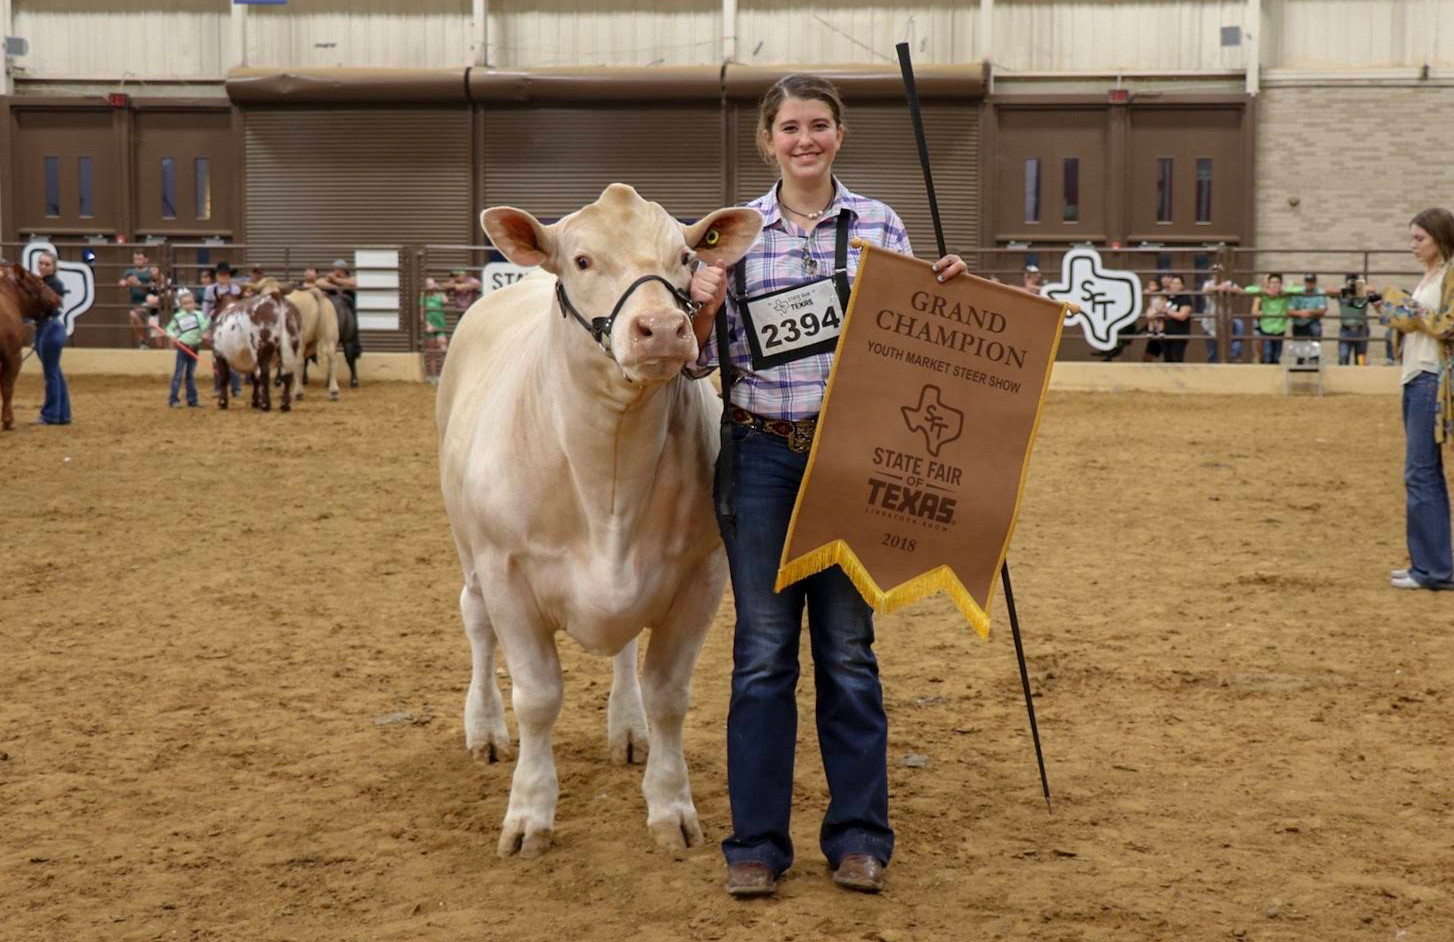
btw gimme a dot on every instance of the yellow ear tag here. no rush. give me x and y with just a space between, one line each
713 237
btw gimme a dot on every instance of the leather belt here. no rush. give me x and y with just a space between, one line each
797 432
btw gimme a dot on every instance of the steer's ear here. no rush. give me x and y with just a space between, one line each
724 236
519 235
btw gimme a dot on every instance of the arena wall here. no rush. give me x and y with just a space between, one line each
1341 166
1202 378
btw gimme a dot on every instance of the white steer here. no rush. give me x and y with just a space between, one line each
576 463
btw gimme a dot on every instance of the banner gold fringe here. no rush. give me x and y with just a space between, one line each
839 553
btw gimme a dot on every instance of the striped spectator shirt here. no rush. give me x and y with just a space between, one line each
795 390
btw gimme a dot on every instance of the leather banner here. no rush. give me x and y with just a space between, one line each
915 475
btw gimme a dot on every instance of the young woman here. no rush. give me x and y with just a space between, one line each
809 217
50 339
1428 387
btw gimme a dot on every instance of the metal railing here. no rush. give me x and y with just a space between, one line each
459 273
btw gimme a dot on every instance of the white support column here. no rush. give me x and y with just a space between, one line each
729 30
985 33
7 22
1252 34
480 31
235 54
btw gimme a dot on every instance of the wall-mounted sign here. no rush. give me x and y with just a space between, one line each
79 279
500 274
1109 300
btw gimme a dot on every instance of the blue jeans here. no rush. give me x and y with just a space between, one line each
50 339
1430 561
186 365
1352 343
1234 346
1271 347
762 719
217 380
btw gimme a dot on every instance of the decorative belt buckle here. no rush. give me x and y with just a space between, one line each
800 438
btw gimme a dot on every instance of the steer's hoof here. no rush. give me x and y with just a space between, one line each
629 745
678 830
333 394
518 839
492 749
285 407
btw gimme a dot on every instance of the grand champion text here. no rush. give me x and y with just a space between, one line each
964 340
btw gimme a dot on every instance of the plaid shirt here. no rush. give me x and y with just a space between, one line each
795 390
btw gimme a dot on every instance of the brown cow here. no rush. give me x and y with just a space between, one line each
22 294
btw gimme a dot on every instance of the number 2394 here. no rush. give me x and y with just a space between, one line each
791 330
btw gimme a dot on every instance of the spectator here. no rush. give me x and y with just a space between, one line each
436 330
1032 279
140 280
206 278
1178 320
1154 306
463 290
1216 309
1353 321
341 286
188 326
310 277
1270 309
50 339
1310 305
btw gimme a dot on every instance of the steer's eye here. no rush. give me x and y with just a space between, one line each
582 262
686 258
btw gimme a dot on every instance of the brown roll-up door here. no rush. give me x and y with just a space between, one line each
552 160
361 176
346 177
879 159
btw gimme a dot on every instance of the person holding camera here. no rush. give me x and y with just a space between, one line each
1353 321
1425 331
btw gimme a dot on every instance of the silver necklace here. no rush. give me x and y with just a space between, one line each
799 212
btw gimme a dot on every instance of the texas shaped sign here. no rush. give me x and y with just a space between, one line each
1109 300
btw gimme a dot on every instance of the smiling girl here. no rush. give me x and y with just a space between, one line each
788 300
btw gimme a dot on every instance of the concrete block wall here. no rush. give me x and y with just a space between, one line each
1359 161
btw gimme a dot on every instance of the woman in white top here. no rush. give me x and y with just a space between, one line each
1428 341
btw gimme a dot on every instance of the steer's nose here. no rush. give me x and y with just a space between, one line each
662 335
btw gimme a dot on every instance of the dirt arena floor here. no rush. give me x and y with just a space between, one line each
233 672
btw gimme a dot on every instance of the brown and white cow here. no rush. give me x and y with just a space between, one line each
248 333
576 462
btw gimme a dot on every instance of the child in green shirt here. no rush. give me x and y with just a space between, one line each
436 330
187 327
1270 309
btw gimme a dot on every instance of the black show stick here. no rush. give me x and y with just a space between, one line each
907 68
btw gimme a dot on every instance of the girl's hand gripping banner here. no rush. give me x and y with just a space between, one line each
923 443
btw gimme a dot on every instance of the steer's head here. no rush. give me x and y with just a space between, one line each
599 252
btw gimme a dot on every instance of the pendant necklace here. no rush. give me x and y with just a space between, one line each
810 264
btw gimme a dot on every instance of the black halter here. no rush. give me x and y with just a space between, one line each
600 327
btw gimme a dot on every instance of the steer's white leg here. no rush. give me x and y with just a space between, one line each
485 732
536 695
326 360
671 815
625 716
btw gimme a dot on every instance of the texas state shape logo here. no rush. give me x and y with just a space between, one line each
1109 299
79 279
939 423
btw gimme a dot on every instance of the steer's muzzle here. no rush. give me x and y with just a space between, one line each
658 343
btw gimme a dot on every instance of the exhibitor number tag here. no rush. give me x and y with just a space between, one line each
787 325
